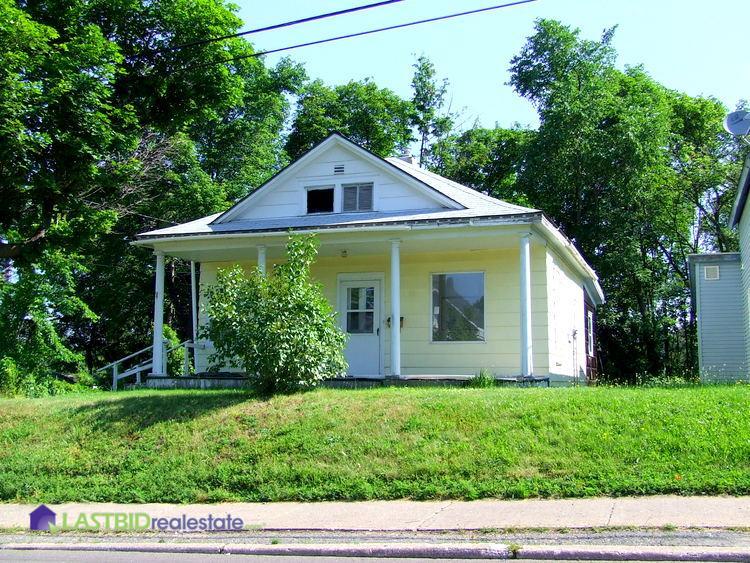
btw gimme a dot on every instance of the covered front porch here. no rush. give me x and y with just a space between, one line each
374 276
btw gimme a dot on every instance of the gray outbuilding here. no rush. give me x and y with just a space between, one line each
717 294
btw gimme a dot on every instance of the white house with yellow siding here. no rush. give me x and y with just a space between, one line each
430 279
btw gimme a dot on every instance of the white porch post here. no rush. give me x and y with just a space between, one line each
194 301
262 258
158 349
527 365
395 308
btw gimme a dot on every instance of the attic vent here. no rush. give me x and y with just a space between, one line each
712 272
338 168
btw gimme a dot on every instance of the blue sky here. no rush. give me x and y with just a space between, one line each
698 47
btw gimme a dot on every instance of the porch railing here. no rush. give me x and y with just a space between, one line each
119 371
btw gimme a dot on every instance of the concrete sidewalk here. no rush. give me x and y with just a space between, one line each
654 511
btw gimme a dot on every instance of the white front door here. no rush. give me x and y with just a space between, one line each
359 306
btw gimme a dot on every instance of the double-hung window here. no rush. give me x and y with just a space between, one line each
458 307
357 197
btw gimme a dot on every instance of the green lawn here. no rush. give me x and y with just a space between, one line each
421 443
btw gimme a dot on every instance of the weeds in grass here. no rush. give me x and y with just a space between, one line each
391 443
482 380
513 550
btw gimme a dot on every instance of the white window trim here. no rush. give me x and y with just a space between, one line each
338 193
484 312
340 305
590 333
714 268
358 185
316 188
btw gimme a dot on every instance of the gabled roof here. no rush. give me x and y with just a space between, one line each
332 140
468 197
458 203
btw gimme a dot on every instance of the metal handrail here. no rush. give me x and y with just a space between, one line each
143 366
146 364
126 358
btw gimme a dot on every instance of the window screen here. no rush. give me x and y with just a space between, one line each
357 197
320 200
458 307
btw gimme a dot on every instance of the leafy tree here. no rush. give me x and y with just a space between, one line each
373 117
108 129
118 284
279 328
242 146
429 119
620 162
488 160
57 124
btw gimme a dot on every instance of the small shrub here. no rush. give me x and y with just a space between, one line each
10 378
485 378
176 358
279 327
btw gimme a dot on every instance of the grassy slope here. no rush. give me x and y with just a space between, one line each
202 446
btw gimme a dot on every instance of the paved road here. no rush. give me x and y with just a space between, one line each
66 557
710 539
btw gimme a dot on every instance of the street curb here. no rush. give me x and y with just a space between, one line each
418 550
633 553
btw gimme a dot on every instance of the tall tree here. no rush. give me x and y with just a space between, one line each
488 160
373 117
620 162
104 125
429 118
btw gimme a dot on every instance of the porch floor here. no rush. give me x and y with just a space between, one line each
224 381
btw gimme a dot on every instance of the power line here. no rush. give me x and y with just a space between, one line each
285 24
359 34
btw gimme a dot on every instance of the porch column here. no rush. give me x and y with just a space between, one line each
262 258
396 308
527 365
194 301
157 364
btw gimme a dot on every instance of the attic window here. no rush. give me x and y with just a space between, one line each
338 168
320 199
357 197
711 272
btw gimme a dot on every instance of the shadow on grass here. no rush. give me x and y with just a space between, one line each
136 412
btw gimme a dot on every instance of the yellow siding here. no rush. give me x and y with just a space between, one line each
567 343
501 351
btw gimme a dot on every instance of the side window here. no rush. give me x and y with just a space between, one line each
357 197
320 199
590 333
